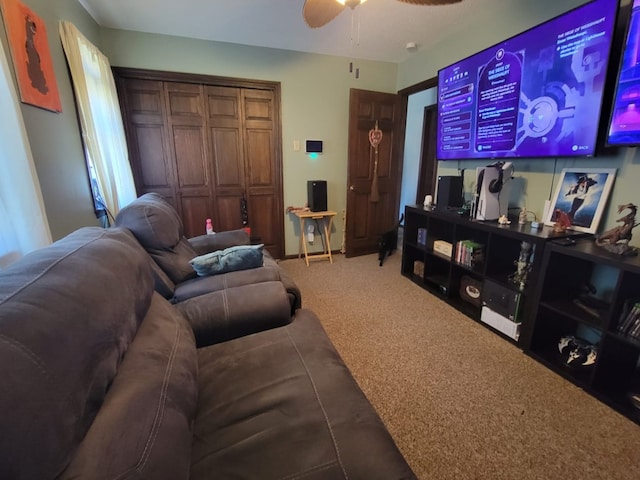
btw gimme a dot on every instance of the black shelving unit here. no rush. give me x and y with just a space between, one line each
442 275
561 309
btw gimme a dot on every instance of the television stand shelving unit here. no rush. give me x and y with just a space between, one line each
615 284
442 275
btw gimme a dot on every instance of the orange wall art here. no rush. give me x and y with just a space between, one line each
29 46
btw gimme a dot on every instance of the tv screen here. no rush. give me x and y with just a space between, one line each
624 125
538 94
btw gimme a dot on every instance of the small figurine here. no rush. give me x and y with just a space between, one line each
617 239
523 264
503 220
562 221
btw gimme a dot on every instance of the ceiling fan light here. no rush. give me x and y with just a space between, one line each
350 3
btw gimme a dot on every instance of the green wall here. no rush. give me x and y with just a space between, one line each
54 137
315 93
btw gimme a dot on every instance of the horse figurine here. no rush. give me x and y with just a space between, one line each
617 239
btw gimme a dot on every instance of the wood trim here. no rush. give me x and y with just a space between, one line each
419 87
167 76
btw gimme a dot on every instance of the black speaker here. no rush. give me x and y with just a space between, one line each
317 195
449 192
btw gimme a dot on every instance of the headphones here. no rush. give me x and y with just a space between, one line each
496 184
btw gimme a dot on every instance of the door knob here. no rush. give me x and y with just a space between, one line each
352 188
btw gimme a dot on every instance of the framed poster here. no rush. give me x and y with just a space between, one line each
31 56
580 197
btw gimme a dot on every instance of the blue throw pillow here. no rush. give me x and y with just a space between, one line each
240 257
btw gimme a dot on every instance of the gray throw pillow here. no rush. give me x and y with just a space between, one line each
239 257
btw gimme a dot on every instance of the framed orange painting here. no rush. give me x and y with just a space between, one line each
29 47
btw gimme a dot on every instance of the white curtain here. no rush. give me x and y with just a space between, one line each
101 122
23 221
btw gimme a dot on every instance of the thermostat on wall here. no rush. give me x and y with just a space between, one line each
314 146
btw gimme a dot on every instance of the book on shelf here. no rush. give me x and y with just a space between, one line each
629 324
469 253
422 236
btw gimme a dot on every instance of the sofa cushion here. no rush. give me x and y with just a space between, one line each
158 228
68 313
282 404
154 222
213 283
208 243
144 428
232 259
236 311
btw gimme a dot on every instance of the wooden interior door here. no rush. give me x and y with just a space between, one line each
367 220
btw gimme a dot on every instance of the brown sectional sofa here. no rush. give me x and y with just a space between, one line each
219 307
102 379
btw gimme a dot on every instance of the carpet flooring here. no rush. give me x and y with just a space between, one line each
460 401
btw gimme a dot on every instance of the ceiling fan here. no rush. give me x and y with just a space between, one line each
320 12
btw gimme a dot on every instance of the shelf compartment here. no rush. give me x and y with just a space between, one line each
466 291
436 273
570 309
618 374
551 326
501 256
438 230
411 254
580 288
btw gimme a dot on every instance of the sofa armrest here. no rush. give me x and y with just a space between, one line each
219 241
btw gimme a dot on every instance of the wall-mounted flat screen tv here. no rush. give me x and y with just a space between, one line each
624 124
538 94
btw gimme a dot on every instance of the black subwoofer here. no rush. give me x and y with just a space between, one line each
449 192
317 195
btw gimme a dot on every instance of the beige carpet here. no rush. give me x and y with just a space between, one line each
461 402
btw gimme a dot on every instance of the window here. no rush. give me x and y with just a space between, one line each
102 131
23 222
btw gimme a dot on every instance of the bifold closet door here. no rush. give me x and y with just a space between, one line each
246 164
208 149
168 150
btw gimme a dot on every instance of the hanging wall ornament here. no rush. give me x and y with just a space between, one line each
375 137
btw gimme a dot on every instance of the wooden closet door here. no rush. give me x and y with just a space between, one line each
205 143
144 112
226 141
246 163
189 150
263 174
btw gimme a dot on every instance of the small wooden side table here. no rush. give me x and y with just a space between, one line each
326 218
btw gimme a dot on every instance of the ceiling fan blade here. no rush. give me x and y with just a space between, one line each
430 2
320 12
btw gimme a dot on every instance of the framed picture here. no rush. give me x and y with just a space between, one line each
31 56
580 198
